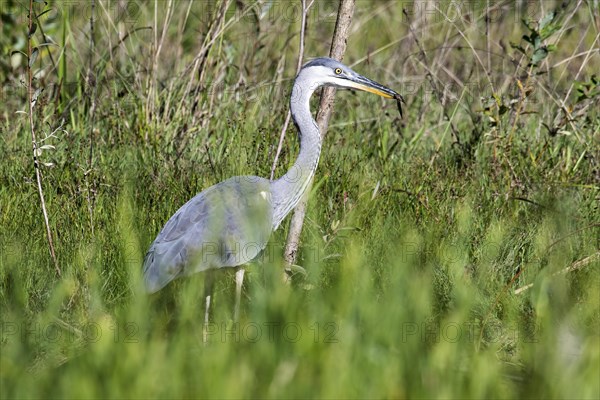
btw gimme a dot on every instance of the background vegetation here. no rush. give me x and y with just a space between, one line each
452 253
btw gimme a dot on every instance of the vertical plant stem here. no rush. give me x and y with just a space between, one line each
38 175
338 48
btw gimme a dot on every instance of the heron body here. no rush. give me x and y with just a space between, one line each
228 224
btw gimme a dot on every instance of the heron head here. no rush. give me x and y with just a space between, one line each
329 72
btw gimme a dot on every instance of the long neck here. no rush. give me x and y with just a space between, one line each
288 190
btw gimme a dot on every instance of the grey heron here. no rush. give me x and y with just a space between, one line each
229 224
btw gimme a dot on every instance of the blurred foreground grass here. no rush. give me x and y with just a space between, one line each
422 235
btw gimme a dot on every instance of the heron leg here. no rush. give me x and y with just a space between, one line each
208 292
239 280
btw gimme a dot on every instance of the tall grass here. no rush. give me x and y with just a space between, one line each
450 254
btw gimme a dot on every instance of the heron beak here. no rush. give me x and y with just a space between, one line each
359 82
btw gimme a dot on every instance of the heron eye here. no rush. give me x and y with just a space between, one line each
338 71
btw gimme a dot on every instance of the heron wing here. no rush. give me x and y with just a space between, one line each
226 225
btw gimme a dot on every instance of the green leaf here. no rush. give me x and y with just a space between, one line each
547 19
549 31
587 90
35 95
44 12
551 47
537 40
538 55
32 30
518 47
34 55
